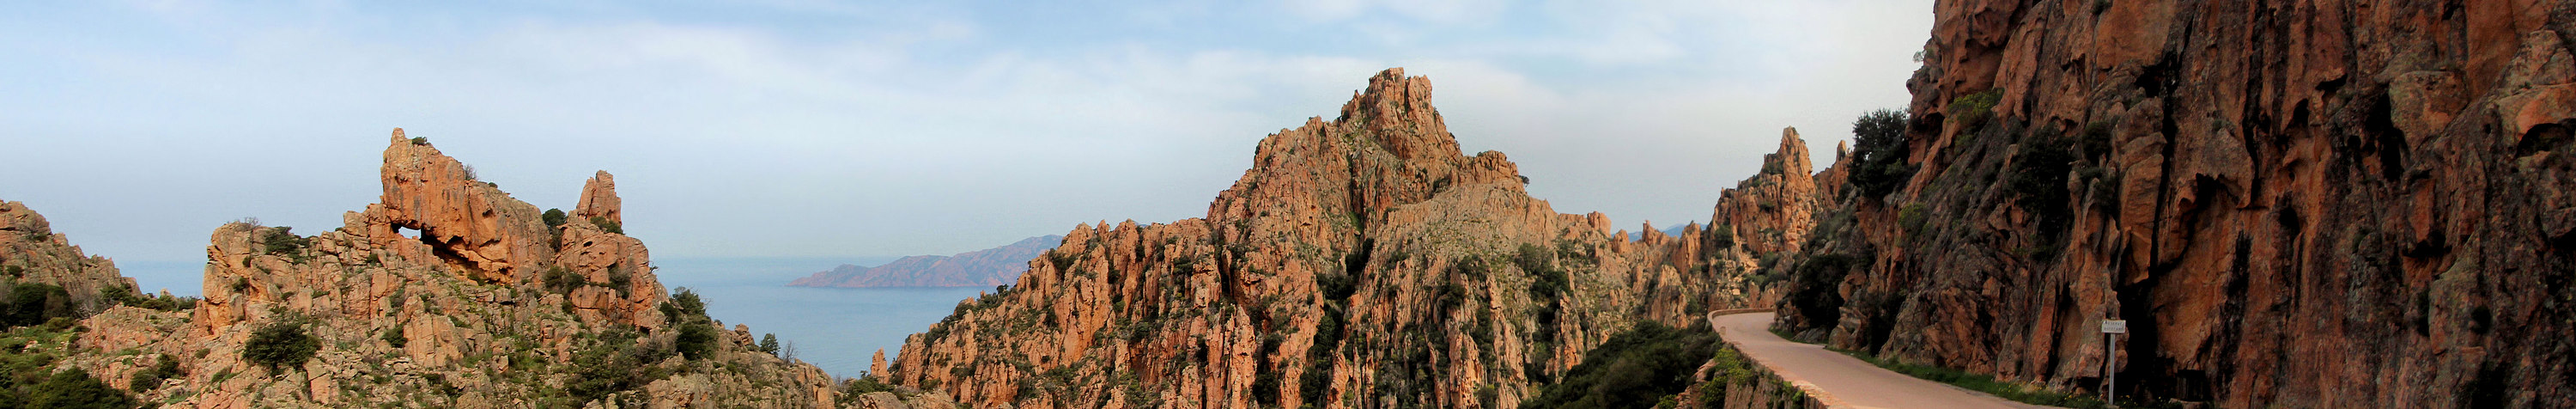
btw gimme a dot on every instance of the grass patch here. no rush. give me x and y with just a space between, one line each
1982 383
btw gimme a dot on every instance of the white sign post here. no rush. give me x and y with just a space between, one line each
2111 358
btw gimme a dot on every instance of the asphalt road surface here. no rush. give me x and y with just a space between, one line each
1842 381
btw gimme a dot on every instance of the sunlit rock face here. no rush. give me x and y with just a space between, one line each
1360 261
447 293
2352 204
32 252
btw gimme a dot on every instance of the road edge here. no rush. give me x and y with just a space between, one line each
1815 396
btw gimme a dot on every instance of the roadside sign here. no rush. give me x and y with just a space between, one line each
2115 326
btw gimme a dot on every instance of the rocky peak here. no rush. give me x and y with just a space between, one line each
1397 111
472 224
1771 211
1389 148
599 199
1349 250
32 252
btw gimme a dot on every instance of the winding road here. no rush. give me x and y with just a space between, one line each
1841 381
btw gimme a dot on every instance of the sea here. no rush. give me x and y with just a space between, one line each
836 329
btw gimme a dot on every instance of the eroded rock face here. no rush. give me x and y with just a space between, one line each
1772 211
32 252
463 316
2348 204
1362 261
483 232
599 199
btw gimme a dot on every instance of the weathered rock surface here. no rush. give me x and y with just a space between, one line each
32 252
980 268
1360 262
599 200
2335 204
487 307
481 231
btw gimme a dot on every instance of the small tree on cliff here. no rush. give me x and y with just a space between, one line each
1879 153
281 344
697 333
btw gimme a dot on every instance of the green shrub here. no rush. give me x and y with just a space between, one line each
2038 184
1973 110
394 337
281 344
1721 236
554 218
2095 142
1318 377
1633 369
1265 388
619 280
684 306
1816 296
561 280
1533 259
121 294
74 388
162 368
862 385
606 225
695 340
420 141
769 343
35 303
1336 287
612 363
1911 218
283 241
1879 151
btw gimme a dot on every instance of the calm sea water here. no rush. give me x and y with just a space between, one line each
834 328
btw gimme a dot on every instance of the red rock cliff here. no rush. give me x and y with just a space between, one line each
2331 204
1360 262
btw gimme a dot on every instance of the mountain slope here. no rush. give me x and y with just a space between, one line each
980 268
2338 204
445 293
32 253
1362 261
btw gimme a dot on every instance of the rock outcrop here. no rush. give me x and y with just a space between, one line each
488 306
31 252
2337 204
599 200
1361 262
980 268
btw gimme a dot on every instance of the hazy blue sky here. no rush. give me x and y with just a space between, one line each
820 128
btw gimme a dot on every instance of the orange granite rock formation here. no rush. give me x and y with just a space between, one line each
487 307
1359 262
2331 204
32 252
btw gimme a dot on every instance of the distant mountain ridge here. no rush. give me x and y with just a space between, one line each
988 267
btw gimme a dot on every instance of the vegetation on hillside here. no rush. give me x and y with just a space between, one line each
1636 368
28 378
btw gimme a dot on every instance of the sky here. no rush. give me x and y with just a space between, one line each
811 128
